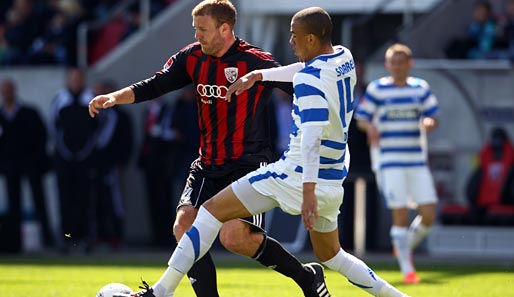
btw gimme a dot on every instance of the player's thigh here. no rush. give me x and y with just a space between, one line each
253 200
325 244
393 186
226 206
421 185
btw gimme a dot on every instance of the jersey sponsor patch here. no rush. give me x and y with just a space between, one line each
231 74
207 92
399 114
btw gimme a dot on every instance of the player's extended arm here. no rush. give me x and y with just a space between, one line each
122 96
283 74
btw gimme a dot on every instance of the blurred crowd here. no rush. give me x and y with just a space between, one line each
43 32
89 158
490 35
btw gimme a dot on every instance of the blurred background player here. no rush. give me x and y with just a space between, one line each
395 112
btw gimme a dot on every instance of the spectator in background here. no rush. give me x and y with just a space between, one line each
23 154
185 122
480 38
492 182
506 28
52 46
112 154
20 29
75 136
156 159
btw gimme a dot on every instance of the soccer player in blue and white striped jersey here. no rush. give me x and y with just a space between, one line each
307 180
396 111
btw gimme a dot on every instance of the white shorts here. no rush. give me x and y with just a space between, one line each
278 185
406 187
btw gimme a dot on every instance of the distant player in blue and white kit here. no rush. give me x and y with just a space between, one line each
396 111
308 179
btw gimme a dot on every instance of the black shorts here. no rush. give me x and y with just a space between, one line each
205 181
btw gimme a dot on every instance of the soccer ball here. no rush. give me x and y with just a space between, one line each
113 288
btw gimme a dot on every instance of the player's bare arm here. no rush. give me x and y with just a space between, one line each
122 96
309 205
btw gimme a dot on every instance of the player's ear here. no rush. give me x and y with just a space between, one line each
225 28
312 39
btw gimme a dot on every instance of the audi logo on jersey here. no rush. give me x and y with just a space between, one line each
211 91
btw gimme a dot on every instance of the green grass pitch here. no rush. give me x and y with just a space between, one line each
83 276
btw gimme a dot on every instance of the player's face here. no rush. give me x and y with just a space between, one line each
208 35
300 41
398 65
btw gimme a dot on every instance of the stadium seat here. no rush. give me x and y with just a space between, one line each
500 214
455 214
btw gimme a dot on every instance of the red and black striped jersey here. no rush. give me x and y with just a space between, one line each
229 131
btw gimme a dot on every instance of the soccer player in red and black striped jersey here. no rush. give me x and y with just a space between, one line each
235 139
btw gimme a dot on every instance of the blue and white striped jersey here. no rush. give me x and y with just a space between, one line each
323 96
397 111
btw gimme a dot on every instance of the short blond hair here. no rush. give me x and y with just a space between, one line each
222 11
398 48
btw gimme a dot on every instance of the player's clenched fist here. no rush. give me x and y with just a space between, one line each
101 101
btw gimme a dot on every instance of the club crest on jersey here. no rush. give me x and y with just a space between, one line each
231 74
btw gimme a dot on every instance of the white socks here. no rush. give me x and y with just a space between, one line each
406 240
402 249
360 275
417 232
191 247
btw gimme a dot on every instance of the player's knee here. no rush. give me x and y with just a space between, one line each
231 240
178 230
184 221
428 219
234 239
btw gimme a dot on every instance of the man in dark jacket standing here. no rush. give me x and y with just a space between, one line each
23 153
